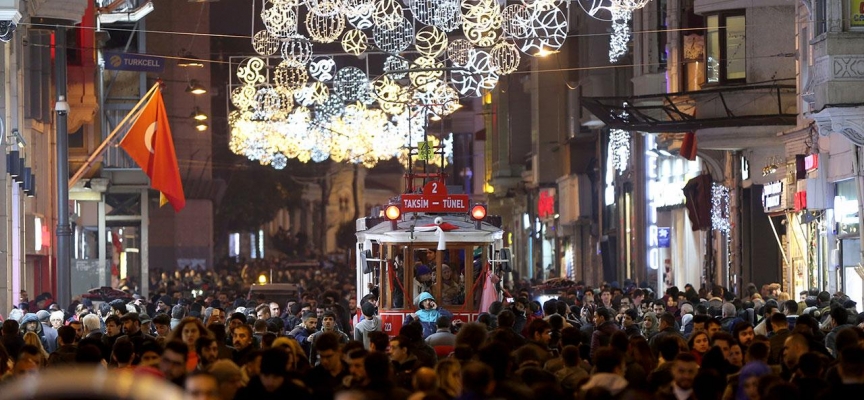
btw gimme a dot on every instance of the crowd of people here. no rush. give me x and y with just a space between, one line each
584 342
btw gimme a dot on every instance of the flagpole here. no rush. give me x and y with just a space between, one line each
101 149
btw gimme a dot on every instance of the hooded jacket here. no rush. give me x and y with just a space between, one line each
31 317
428 318
362 329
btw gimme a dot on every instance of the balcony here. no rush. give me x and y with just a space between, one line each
62 10
728 107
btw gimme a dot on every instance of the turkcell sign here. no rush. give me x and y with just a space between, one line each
450 203
133 62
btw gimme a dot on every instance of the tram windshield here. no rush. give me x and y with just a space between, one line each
450 275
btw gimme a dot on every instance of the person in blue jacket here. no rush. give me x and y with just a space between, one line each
427 314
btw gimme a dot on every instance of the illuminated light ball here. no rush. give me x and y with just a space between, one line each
297 49
395 63
505 58
430 41
459 52
290 75
265 44
322 69
387 14
323 25
354 42
251 71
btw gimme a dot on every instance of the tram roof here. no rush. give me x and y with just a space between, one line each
406 231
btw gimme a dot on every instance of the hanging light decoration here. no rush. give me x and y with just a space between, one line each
619 148
720 208
265 44
620 13
620 35
322 69
289 104
324 22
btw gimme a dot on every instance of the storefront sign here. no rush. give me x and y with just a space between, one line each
856 12
772 194
546 203
133 62
664 235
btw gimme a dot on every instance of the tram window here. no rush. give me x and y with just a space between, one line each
478 264
393 282
452 285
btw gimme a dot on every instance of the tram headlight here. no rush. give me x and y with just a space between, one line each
478 212
392 213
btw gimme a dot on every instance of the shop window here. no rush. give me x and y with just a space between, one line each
846 207
725 49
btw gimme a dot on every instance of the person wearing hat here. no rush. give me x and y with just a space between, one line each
132 328
164 304
48 331
423 277
370 323
146 327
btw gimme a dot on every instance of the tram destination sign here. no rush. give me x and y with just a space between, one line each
450 203
435 199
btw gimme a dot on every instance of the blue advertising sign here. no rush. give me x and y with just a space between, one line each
664 235
133 62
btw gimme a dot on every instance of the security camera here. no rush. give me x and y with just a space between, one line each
7 28
19 137
439 220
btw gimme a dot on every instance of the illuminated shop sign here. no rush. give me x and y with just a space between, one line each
653 191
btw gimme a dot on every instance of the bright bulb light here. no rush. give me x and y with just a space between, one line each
262 279
392 212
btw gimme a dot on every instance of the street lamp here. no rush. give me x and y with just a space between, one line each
195 88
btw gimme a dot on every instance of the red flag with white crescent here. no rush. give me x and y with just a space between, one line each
150 144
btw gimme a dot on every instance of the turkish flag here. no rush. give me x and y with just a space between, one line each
149 143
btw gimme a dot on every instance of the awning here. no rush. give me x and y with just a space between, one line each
737 106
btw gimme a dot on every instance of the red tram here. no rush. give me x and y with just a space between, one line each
435 242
